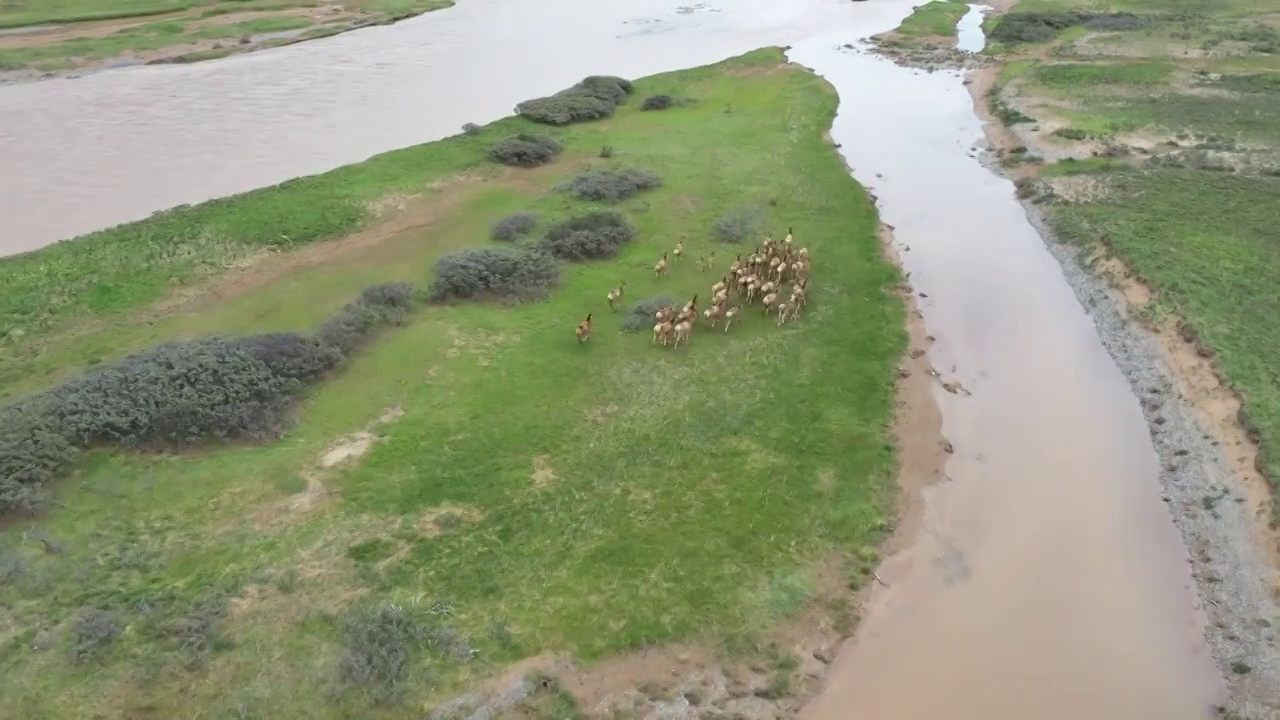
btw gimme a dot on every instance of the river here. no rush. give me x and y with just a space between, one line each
1047 581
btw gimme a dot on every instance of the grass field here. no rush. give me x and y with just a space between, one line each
1165 110
933 19
527 493
191 29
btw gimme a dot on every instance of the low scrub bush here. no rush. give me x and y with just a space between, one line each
737 225
525 150
657 102
594 236
514 227
641 315
612 185
92 631
1027 27
504 273
377 647
358 321
594 98
179 393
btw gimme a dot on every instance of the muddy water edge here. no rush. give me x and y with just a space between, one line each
1047 578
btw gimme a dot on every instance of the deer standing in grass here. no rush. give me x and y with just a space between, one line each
661 268
785 310
615 295
679 250
584 329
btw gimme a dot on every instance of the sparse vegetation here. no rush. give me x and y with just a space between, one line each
525 150
551 463
612 185
937 18
514 227
737 225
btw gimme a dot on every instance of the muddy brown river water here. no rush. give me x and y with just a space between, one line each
1047 580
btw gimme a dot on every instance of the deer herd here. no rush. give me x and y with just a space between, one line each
762 275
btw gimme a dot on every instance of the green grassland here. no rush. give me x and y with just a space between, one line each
530 494
1168 106
933 19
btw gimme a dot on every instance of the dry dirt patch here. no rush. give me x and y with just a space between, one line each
543 474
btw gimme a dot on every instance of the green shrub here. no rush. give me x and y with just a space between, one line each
594 98
612 185
514 227
525 150
180 393
641 315
594 236
494 273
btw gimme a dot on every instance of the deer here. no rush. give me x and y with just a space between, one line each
785 309
768 301
615 295
713 314
729 314
679 251
662 331
584 329
661 268
682 331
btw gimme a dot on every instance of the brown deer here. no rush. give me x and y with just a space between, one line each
584 329
615 295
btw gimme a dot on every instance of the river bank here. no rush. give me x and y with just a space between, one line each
44 43
1213 476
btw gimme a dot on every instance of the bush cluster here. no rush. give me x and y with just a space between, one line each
525 150
380 644
179 393
594 98
641 315
594 236
612 185
1042 26
657 102
502 273
737 225
514 227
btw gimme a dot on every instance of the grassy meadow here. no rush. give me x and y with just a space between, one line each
1161 116
521 493
932 20
190 31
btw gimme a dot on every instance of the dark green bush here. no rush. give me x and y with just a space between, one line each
500 273
525 150
593 236
514 227
1025 27
178 393
594 98
657 102
612 185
